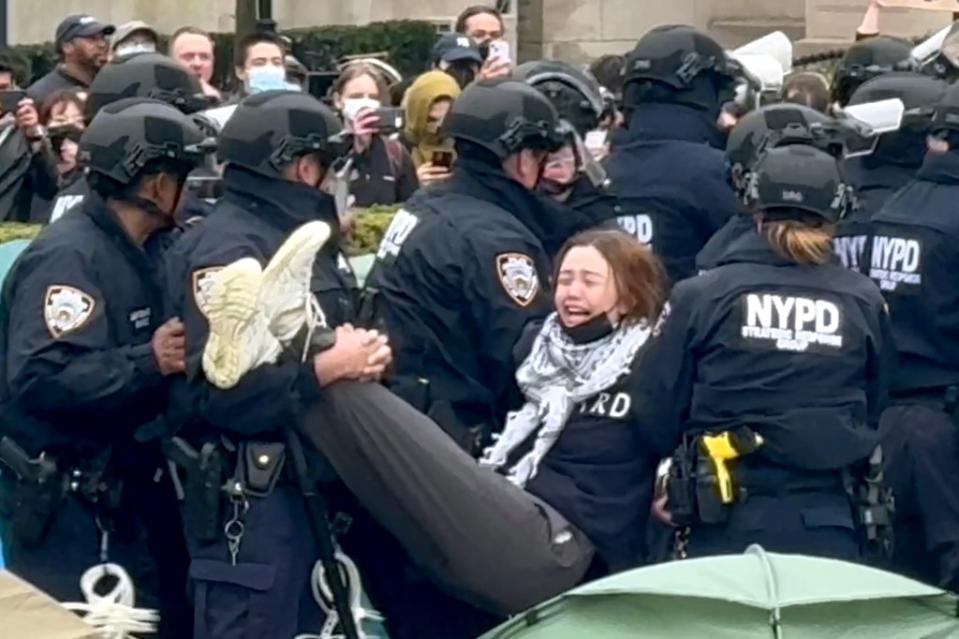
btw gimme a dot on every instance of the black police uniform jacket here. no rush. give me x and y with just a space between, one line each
79 310
874 186
913 255
794 352
252 219
460 272
671 182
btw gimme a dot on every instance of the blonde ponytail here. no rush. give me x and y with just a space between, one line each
800 242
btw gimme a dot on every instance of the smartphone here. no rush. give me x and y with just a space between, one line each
10 98
499 50
442 158
391 120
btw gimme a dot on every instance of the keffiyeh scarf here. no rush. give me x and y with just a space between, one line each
557 376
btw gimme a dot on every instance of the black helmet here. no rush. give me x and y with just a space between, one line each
773 126
682 58
919 94
269 130
128 134
866 60
145 75
797 181
946 115
504 117
575 95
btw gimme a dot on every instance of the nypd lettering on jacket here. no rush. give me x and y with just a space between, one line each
849 250
396 234
791 323
896 264
639 226
612 405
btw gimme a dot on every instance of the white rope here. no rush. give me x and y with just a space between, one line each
113 614
323 595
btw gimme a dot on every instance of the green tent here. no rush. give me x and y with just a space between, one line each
756 595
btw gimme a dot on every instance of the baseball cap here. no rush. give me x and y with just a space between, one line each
452 47
127 29
80 26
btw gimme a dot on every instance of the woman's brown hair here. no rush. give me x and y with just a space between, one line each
75 96
637 273
358 70
800 242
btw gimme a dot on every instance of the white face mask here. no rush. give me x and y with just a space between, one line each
352 106
265 78
135 47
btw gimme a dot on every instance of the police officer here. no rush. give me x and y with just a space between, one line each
868 59
87 356
278 149
766 373
912 255
769 127
458 277
144 75
895 159
572 175
667 165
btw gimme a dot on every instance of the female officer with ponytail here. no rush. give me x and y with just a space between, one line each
767 375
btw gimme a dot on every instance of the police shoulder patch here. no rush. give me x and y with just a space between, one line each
66 309
517 274
202 282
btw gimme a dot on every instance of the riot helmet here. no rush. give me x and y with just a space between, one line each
919 94
145 75
575 95
269 130
945 118
678 64
866 60
504 117
799 182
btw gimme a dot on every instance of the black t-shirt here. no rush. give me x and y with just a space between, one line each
56 80
383 175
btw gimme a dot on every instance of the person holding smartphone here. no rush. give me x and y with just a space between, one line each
382 171
428 102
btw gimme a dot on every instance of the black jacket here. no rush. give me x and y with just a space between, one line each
25 175
252 219
799 353
670 176
383 175
913 255
79 309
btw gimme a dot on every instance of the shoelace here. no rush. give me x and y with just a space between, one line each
323 595
113 614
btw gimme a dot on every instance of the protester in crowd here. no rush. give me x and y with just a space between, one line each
382 170
459 56
775 358
134 37
608 71
27 162
81 44
484 24
809 89
62 115
912 254
260 63
428 102
193 48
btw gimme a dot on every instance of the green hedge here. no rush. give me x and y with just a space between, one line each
409 44
370 226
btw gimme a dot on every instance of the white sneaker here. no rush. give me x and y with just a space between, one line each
286 298
240 338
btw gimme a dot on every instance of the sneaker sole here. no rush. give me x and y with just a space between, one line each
308 238
231 307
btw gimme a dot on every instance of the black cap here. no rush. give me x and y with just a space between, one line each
80 26
453 47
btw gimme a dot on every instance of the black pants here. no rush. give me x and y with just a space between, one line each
922 469
147 542
816 523
471 531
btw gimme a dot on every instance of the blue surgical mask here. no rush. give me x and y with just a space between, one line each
265 78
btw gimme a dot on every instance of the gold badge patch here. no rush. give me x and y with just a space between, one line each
66 309
202 282
517 274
